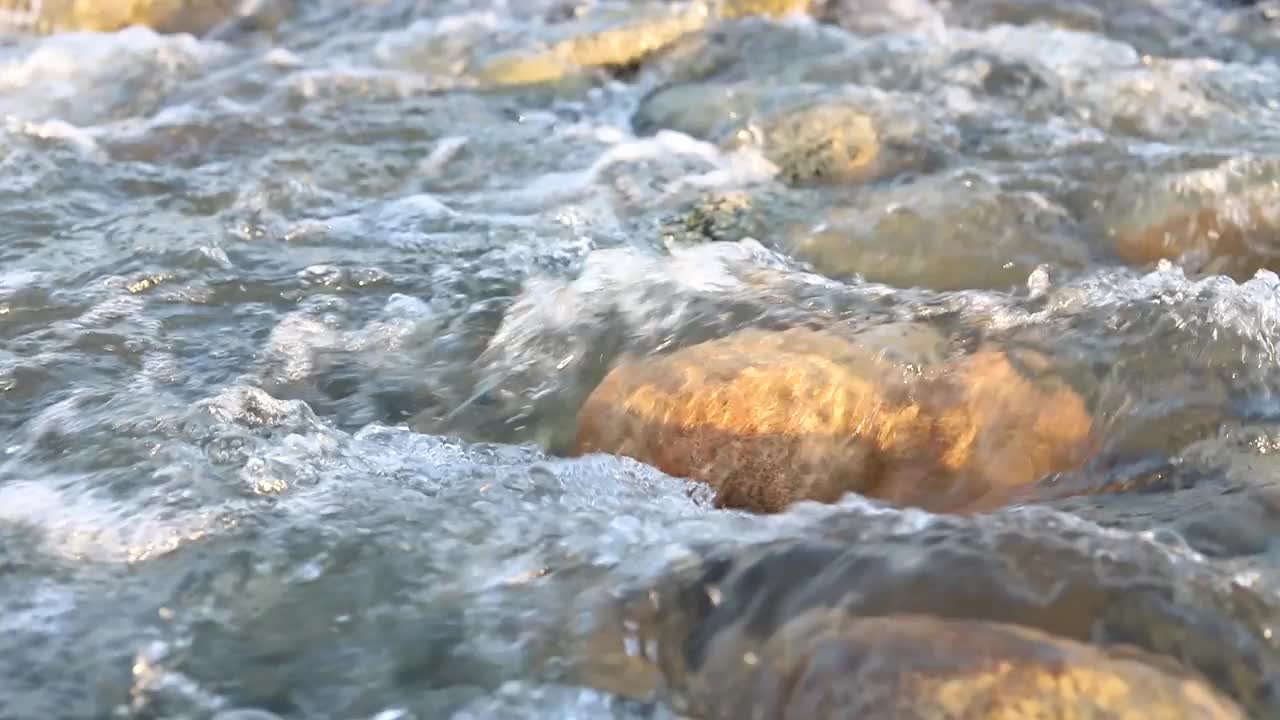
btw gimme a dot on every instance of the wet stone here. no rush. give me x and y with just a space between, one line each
167 16
846 137
622 43
945 232
1042 597
1230 531
701 110
910 344
829 665
617 45
823 143
1234 235
757 49
726 216
769 8
771 418
760 212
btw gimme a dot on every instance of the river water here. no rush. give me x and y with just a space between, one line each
294 321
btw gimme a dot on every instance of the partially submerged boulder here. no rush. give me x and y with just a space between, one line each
1235 236
926 236
813 135
622 43
772 418
767 8
1022 614
197 17
611 47
828 664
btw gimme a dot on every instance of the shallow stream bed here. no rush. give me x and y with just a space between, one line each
296 315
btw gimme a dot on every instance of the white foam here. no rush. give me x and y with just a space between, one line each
78 527
72 67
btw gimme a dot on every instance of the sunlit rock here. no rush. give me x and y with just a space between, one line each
618 44
768 8
771 418
829 665
811 134
168 16
621 42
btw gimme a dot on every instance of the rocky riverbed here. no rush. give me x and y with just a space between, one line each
639 359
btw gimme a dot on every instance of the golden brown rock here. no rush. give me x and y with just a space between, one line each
1235 238
193 16
767 8
617 46
828 664
626 42
771 418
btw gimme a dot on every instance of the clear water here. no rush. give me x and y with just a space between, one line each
293 326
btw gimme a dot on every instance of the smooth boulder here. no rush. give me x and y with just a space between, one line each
770 418
1235 236
829 664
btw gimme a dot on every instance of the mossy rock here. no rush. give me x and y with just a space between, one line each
813 135
836 143
719 217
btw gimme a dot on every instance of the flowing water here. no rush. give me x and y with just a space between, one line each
295 318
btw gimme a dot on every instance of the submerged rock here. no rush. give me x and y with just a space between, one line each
835 143
888 615
829 665
813 135
720 217
771 418
927 235
1234 236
